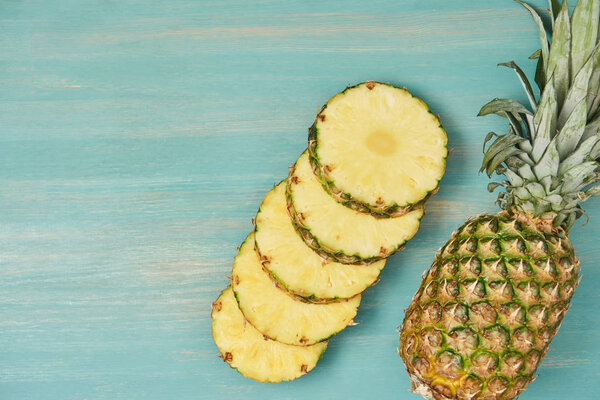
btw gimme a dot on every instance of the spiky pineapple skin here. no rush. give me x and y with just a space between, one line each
488 308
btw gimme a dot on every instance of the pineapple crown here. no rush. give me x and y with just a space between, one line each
550 156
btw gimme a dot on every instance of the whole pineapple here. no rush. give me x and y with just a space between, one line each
489 306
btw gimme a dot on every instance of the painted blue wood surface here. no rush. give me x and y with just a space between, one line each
137 139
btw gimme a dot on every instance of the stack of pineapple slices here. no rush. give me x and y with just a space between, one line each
321 236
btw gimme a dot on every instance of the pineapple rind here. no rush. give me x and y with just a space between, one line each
325 230
252 354
295 266
277 314
494 298
487 309
379 207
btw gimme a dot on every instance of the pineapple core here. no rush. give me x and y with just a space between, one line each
381 143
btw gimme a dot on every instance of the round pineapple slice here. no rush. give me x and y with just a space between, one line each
295 266
378 149
251 353
338 232
276 313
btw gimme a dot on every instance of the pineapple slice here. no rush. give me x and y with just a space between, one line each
276 313
340 233
378 149
295 266
251 353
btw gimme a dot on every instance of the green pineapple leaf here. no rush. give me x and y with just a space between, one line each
525 145
525 158
581 175
593 97
488 137
492 186
524 82
558 58
572 131
526 172
502 143
578 90
515 126
595 153
502 106
580 155
542 31
514 162
536 54
513 177
554 8
584 32
536 189
593 128
540 75
548 164
501 157
544 120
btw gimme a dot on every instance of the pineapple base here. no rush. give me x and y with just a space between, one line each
251 353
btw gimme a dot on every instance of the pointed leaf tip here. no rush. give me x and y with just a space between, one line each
502 106
554 8
535 54
492 186
542 30
488 137
524 82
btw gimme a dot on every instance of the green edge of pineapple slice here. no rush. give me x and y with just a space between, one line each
377 157
251 353
277 314
295 266
337 232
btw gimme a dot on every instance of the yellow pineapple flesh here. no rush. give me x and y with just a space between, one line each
253 354
279 315
341 233
295 266
378 149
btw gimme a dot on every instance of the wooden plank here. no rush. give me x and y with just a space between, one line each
137 139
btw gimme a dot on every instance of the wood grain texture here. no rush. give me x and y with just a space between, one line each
137 139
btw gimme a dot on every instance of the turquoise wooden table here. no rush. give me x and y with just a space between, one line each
137 139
